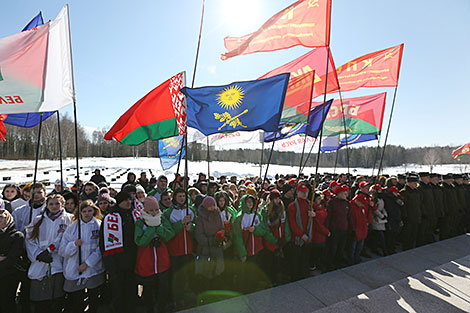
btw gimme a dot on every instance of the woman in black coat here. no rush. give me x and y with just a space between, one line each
11 249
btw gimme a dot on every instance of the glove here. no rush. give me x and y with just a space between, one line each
155 242
45 257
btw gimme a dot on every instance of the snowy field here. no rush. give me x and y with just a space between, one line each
115 169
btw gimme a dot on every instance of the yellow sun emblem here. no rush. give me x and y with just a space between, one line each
231 97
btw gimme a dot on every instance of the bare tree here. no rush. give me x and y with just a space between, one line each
431 158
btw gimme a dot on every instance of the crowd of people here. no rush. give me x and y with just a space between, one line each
156 244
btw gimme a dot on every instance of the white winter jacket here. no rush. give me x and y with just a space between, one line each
50 236
380 216
91 254
21 216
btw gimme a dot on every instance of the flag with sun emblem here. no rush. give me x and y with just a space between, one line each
169 150
248 105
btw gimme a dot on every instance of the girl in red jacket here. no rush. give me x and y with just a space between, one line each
320 231
359 205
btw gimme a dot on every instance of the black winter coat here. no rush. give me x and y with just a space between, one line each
11 246
393 206
411 212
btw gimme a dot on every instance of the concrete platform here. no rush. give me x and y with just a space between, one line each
432 278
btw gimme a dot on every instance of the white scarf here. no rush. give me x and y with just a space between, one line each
138 205
113 239
151 220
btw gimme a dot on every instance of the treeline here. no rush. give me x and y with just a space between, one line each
21 144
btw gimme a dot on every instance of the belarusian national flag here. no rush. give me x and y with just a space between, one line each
160 114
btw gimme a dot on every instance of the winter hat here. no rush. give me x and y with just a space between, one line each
327 192
150 203
302 188
139 188
6 215
122 196
412 179
274 194
251 191
208 202
103 190
363 184
394 189
248 182
292 181
334 184
104 197
340 188
58 182
448 176
199 198
377 187
129 188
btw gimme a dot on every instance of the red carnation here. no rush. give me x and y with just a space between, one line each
220 237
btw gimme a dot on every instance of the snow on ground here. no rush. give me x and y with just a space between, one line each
18 171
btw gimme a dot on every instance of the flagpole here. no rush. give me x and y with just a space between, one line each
208 160
376 155
186 178
336 161
345 131
77 181
308 123
60 154
261 161
308 155
388 130
35 168
323 117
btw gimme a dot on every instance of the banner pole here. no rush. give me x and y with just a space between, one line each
35 169
60 154
261 161
345 132
306 128
388 130
186 178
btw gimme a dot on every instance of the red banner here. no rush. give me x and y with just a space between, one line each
314 60
457 153
306 23
376 69
363 115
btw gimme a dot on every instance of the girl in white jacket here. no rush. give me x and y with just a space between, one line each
89 274
43 238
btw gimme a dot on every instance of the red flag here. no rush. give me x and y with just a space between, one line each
376 69
298 96
363 115
3 130
306 23
314 60
457 153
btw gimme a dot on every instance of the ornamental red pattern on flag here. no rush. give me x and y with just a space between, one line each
457 153
306 23
314 60
376 69
3 130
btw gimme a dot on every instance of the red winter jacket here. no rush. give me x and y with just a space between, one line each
359 221
151 261
181 244
279 233
320 231
292 214
254 245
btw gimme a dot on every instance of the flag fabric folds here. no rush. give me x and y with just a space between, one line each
314 60
306 23
313 128
460 151
28 119
36 68
247 105
334 143
376 69
160 114
35 22
222 139
362 115
169 150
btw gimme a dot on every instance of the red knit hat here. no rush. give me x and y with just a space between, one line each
340 188
274 194
302 188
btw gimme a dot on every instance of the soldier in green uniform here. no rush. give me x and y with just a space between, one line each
411 213
438 196
451 208
428 210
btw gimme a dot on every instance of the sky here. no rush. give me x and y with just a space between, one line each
124 49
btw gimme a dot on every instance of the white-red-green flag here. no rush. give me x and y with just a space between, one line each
36 68
460 151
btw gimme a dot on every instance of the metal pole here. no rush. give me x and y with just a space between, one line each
261 162
60 154
35 170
